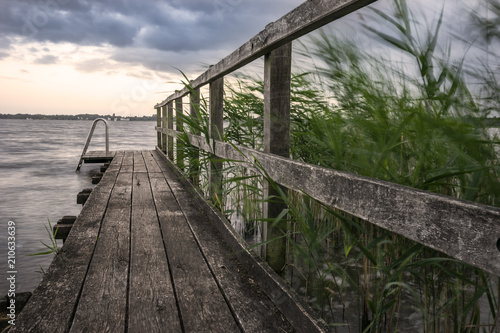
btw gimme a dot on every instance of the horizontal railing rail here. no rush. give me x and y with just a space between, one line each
464 230
309 16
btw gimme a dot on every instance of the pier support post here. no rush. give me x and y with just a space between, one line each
216 129
164 126
179 128
158 124
277 79
194 159
170 125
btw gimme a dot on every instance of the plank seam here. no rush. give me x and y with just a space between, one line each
75 306
172 281
228 303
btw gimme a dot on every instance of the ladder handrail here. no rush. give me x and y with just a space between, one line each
89 137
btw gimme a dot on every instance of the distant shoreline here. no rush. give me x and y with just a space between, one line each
76 117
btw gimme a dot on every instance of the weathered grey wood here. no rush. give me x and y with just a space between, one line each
52 305
61 231
277 77
152 303
102 306
151 164
97 178
164 125
464 230
158 123
285 299
167 131
67 219
216 116
194 160
179 128
170 126
240 290
83 196
128 162
139 164
98 156
309 16
202 306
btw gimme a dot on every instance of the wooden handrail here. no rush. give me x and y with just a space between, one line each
309 16
464 230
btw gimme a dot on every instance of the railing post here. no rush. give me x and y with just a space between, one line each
164 126
170 125
179 128
158 124
277 77
216 128
194 159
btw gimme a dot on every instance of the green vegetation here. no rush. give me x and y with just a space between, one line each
51 248
421 122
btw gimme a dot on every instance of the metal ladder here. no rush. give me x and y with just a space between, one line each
89 137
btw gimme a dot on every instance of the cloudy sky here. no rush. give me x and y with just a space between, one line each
123 56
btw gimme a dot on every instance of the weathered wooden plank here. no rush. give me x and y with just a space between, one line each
151 164
152 304
202 306
113 166
305 18
98 156
103 304
128 162
253 309
53 303
139 164
290 305
277 77
464 230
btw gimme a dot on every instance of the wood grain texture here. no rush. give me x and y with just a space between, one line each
139 164
53 303
252 308
152 302
301 317
103 304
202 306
277 77
463 230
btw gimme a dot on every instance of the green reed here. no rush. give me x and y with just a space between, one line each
420 125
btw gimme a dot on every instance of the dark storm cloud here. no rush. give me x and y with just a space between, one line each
168 29
164 25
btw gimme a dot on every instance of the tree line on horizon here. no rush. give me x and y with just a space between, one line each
85 116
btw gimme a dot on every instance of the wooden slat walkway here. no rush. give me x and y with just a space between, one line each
142 257
98 156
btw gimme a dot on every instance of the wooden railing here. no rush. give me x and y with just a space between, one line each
464 230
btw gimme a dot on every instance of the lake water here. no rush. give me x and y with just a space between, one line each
38 182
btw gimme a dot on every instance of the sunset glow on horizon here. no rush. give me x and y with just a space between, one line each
76 56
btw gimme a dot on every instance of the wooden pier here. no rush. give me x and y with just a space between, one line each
147 255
